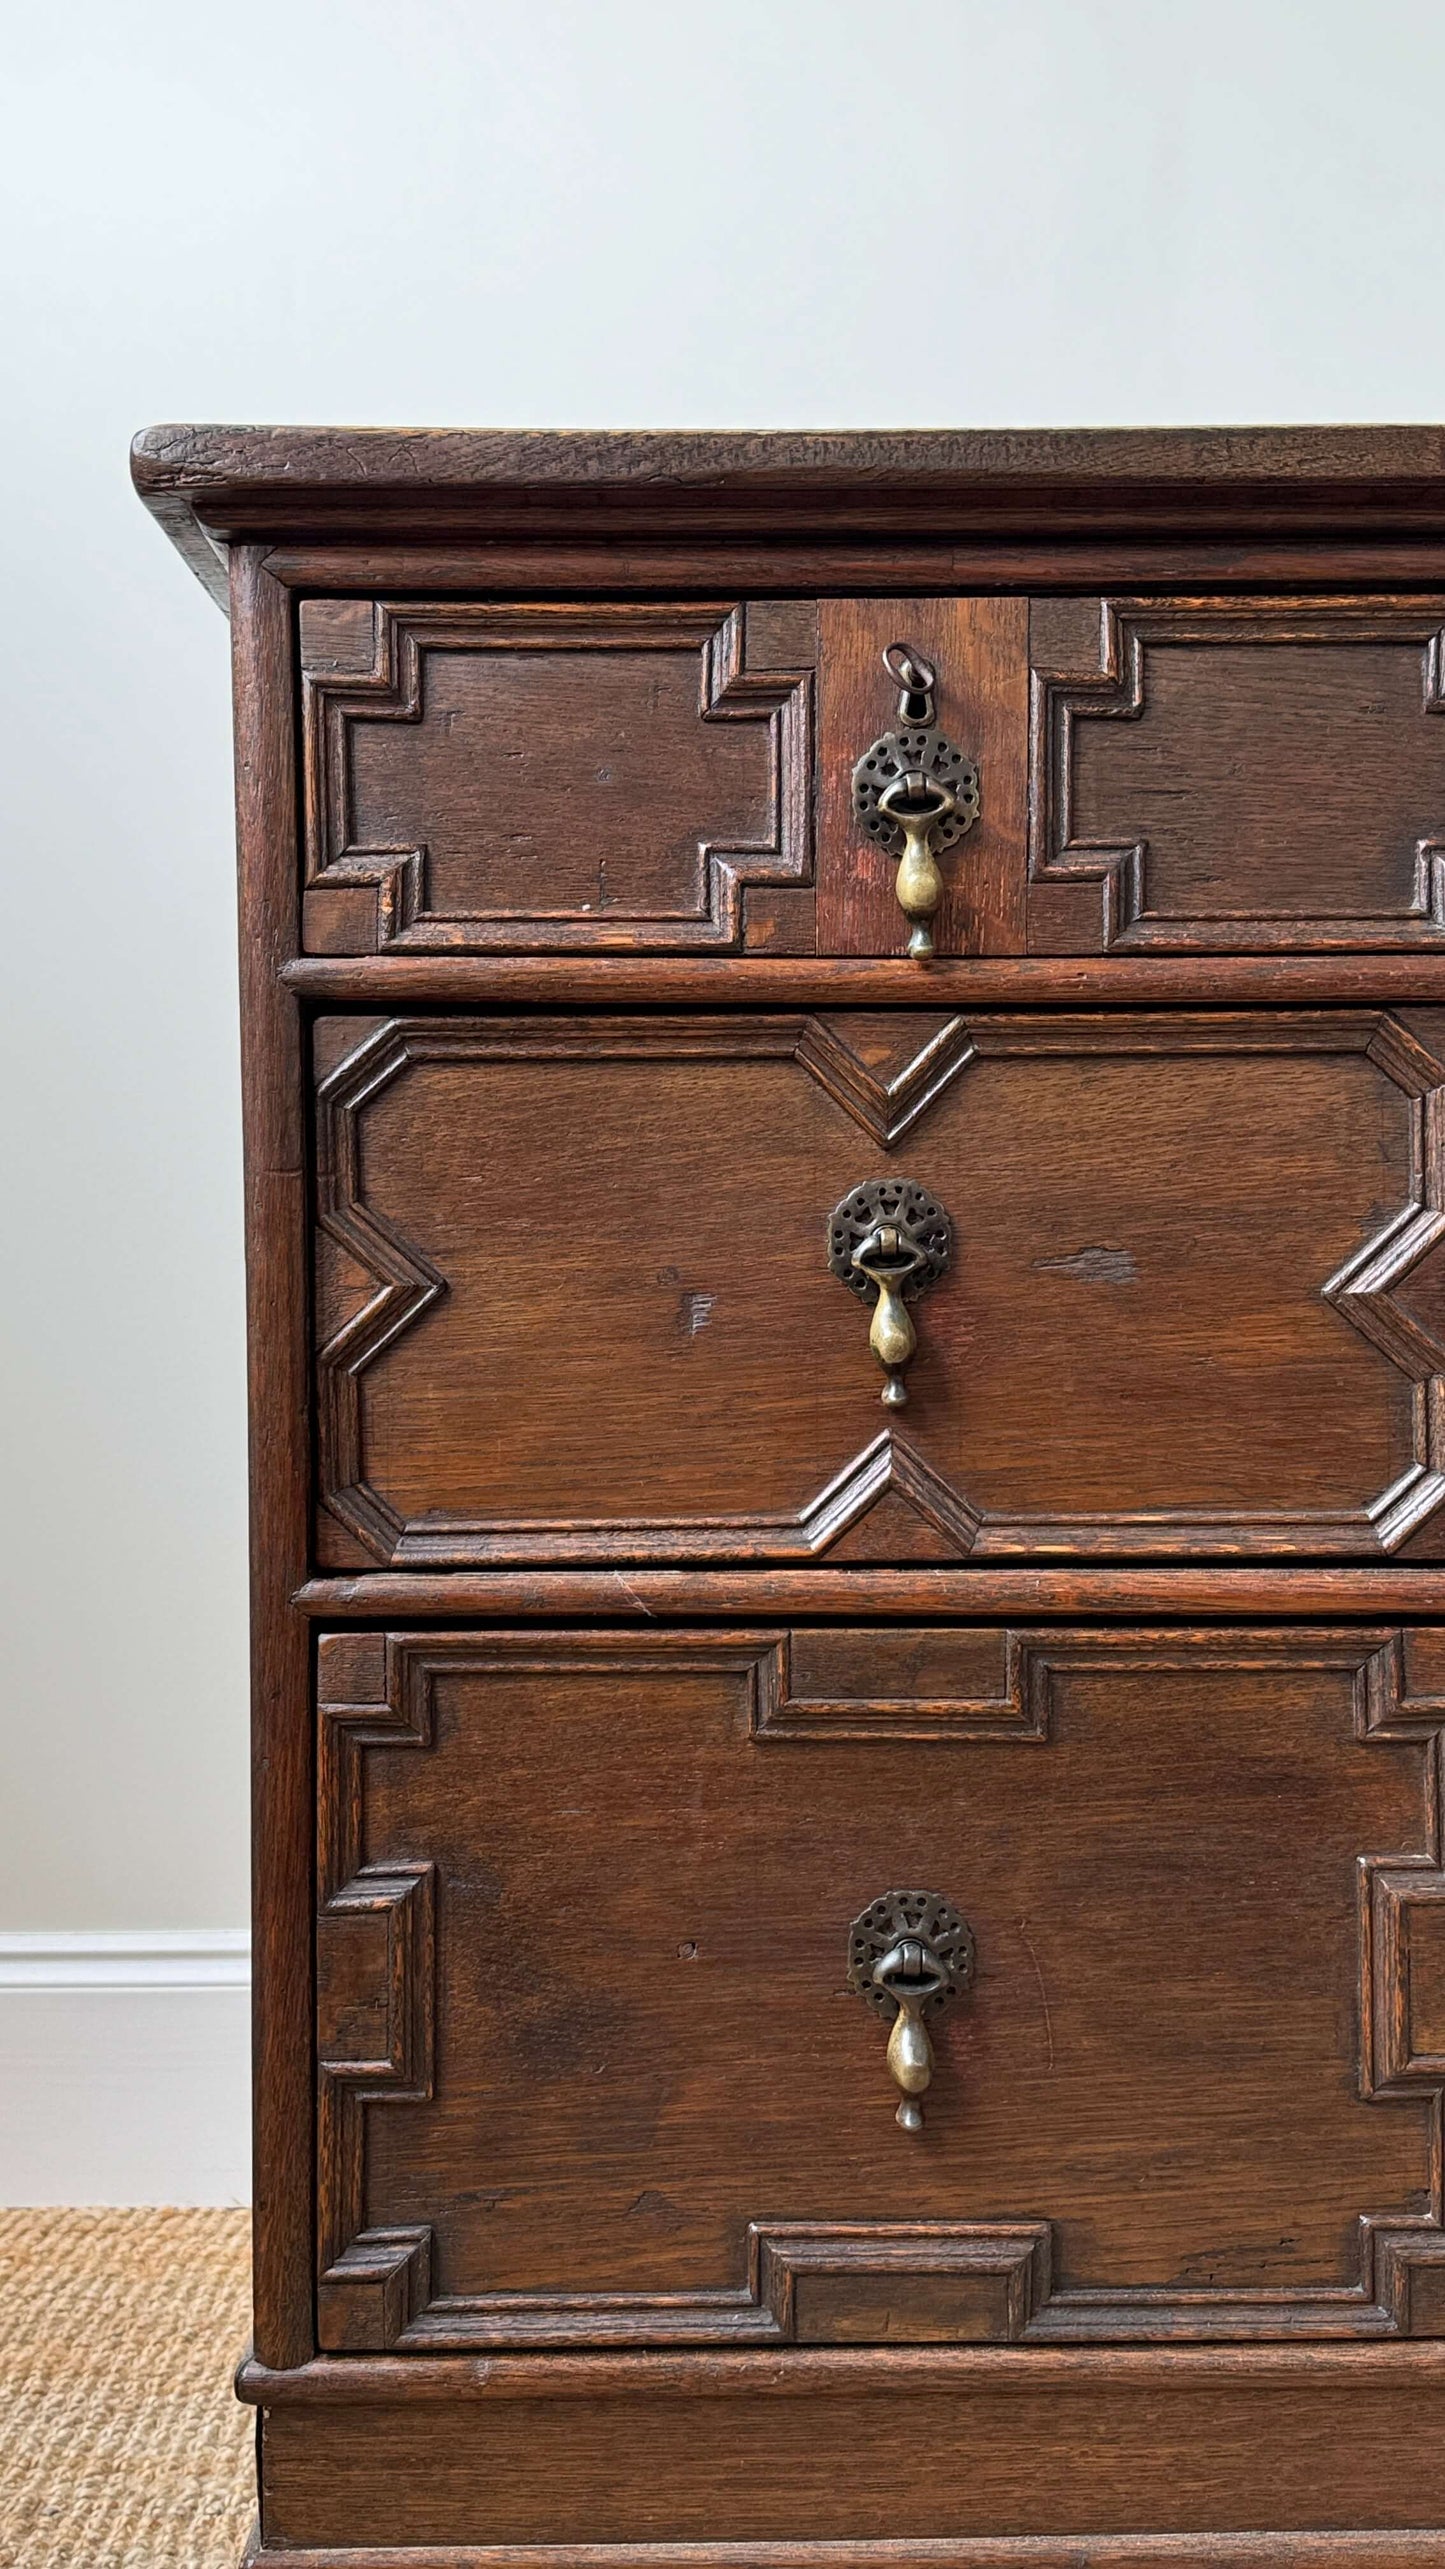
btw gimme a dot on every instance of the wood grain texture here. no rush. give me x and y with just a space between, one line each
880 510
800 2372
878 2471
196 457
276 1227
1211 774
1371 2550
605 777
223 482
611 1412
586 563
979 647
752 980
638 1594
655 2044
1143 1584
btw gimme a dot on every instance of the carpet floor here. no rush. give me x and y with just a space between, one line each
121 2446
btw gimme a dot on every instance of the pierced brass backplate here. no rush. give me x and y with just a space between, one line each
915 793
889 1241
908 1954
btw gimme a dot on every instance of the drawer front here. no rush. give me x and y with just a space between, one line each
643 779
593 2068
1216 775
575 1303
565 778
1153 775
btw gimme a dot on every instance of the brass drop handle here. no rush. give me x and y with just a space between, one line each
888 1241
919 805
908 1955
915 793
889 1265
910 1974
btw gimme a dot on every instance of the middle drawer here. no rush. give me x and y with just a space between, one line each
629 1289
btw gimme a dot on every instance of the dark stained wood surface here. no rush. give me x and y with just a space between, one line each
1221 1881
751 981
979 648
209 485
610 563
634 777
208 482
561 776
1212 773
637 2073
276 1235
416 2380
878 462
880 2473
925 1592
1133 1352
1370 2550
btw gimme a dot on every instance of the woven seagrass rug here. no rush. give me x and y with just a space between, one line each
121 2446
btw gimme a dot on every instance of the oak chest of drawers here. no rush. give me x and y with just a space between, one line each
845 1090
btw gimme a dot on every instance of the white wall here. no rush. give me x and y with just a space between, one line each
577 212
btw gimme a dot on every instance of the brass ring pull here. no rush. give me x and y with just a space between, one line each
916 677
888 1242
908 1955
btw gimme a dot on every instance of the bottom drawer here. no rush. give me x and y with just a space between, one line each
594 2068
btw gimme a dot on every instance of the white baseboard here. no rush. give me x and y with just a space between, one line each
124 2067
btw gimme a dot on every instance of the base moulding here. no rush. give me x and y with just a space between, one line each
1243 2550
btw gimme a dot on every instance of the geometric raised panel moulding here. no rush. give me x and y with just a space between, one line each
375 1978
1390 1289
557 777
1168 1229
571 2102
1218 774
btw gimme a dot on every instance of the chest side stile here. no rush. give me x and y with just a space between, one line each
278 1302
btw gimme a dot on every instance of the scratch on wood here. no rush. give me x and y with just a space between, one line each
633 1599
1043 1993
1093 1266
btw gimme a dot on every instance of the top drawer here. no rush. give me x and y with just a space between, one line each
1166 775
